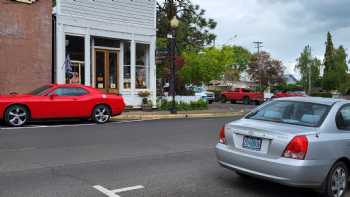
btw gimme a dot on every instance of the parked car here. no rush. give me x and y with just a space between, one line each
295 141
58 102
242 94
288 94
202 92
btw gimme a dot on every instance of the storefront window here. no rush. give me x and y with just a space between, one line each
127 69
74 60
142 65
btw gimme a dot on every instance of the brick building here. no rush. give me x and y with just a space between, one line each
25 45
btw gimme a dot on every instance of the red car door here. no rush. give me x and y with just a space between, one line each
69 102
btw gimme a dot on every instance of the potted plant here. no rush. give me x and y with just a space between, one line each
146 104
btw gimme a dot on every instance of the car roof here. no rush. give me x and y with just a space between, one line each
317 100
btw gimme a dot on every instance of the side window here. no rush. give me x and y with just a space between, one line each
343 118
70 92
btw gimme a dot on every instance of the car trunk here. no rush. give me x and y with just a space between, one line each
263 138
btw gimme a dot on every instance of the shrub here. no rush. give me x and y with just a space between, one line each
182 106
322 94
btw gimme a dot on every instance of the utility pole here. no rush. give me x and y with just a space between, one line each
258 46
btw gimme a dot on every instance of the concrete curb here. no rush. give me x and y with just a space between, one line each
176 116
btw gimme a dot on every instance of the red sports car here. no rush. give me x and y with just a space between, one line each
58 102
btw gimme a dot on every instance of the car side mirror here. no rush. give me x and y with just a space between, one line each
52 96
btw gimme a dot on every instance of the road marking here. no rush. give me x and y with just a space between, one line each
65 125
46 126
113 193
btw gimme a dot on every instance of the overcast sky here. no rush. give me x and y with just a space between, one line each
285 26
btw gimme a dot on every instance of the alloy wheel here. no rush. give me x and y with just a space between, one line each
338 182
102 114
17 116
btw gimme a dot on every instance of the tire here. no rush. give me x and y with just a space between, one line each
101 114
246 101
210 102
233 101
336 183
16 116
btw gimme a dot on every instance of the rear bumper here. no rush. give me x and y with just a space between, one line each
285 171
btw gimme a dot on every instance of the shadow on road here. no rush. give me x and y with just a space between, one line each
262 188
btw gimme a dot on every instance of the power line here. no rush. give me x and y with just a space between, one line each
258 45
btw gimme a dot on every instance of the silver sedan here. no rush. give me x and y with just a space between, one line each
296 141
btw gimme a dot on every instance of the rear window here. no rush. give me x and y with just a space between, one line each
292 112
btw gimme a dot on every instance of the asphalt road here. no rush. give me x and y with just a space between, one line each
162 157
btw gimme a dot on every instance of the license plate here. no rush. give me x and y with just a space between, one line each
252 143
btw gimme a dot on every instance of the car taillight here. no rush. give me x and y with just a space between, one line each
222 138
297 148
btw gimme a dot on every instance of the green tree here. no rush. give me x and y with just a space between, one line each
329 64
308 67
342 80
265 70
238 63
212 63
194 31
335 62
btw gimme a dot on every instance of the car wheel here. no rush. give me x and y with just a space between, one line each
233 101
210 102
101 114
16 116
336 183
246 101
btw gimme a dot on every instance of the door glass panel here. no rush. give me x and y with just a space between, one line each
100 69
113 59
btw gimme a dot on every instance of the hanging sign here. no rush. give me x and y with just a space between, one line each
26 1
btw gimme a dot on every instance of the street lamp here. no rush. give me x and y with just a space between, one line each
174 23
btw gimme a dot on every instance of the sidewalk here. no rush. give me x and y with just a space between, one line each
215 110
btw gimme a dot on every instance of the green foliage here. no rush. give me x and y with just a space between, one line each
289 87
336 76
334 71
329 60
182 106
322 94
308 66
194 31
212 63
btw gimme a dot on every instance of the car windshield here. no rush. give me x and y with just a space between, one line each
40 91
292 112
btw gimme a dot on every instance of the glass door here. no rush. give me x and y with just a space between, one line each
106 70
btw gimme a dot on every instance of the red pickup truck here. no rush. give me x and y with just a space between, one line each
242 94
288 94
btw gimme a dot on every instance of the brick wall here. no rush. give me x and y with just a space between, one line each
25 45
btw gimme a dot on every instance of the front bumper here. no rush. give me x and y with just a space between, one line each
298 173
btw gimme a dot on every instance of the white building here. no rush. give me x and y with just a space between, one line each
111 44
